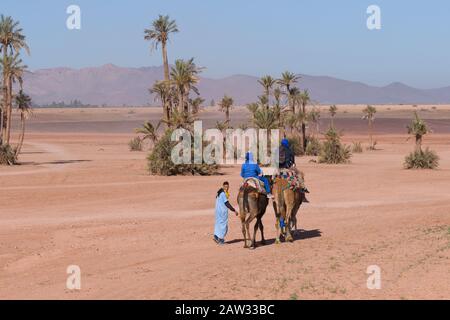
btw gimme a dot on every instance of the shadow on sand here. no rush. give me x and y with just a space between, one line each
296 234
53 162
33 152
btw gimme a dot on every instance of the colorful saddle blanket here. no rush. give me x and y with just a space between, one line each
295 178
255 183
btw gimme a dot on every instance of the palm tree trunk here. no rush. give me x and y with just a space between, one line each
9 109
22 135
304 135
181 102
5 103
418 143
186 103
166 111
370 134
304 127
165 62
227 115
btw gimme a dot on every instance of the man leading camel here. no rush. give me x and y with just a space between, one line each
222 206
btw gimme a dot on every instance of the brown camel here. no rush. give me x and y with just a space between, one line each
252 204
286 203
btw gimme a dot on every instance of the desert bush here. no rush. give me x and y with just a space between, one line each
296 145
419 159
160 162
7 155
313 147
333 151
357 147
135 144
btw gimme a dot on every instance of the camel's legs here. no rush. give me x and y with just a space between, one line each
298 203
247 227
261 228
276 209
289 207
255 228
243 231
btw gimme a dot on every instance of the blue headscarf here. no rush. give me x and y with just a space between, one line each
285 142
249 158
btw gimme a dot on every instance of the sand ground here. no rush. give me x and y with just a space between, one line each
81 198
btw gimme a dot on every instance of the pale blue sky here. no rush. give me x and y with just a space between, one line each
253 37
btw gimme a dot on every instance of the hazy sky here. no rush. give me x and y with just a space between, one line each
254 37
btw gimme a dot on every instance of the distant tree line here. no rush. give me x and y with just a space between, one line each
71 104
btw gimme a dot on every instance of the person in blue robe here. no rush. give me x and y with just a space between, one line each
222 207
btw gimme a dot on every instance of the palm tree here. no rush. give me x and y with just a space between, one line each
184 76
263 101
314 117
293 98
267 82
23 103
225 106
418 128
13 70
265 119
159 33
303 99
286 81
277 107
332 111
148 131
221 126
369 115
162 91
252 107
277 96
196 103
182 119
12 41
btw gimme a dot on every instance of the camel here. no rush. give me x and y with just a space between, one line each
252 204
286 204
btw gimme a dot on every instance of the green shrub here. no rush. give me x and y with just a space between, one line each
135 144
160 162
313 147
357 147
7 155
296 145
333 151
420 159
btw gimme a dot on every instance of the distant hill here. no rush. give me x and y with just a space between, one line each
117 86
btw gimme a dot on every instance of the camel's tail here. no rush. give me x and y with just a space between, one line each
245 199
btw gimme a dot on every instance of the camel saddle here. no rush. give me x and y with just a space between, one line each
255 183
295 178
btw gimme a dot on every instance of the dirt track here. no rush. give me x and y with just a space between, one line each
84 199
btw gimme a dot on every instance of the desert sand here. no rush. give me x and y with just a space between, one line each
81 198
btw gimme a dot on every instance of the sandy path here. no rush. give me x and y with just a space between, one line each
60 158
85 200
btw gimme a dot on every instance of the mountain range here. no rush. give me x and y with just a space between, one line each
119 86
